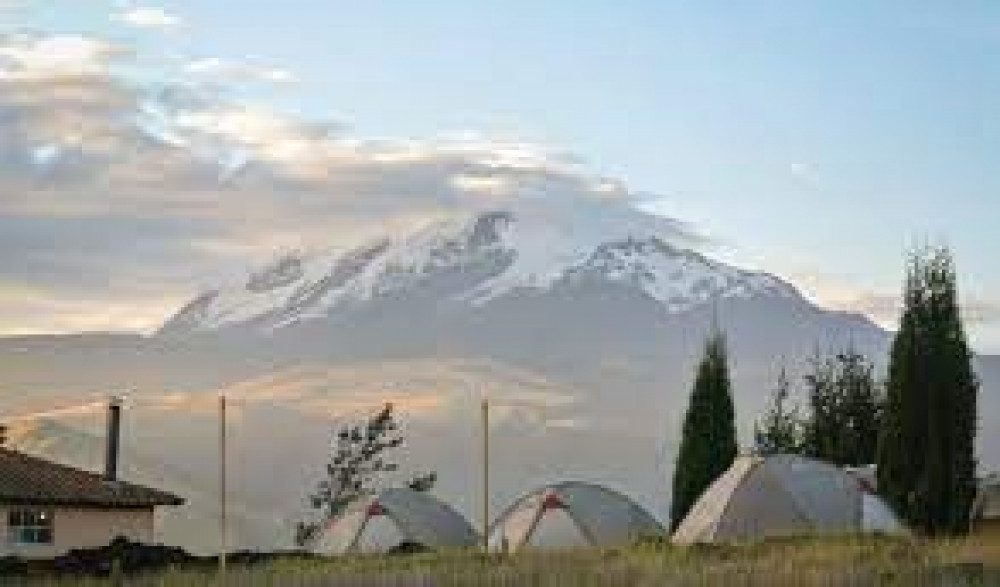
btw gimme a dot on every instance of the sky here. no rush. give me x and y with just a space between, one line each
148 148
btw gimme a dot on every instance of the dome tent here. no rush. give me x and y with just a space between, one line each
783 495
986 507
571 514
392 520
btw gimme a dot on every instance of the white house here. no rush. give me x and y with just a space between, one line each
48 509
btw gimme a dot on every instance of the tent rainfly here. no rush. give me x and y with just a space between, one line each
394 520
986 507
571 514
783 495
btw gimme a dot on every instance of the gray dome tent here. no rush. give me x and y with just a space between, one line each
572 514
782 495
986 507
390 520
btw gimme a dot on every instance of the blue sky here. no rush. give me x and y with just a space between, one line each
817 140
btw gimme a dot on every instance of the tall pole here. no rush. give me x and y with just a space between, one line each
222 490
486 475
113 439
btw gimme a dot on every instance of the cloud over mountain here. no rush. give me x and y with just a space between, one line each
168 182
151 17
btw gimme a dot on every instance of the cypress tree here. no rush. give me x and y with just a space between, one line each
926 453
708 445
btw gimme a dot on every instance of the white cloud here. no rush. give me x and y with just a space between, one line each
33 57
884 307
226 70
53 311
805 173
108 185
150 17
887 308
45 154
486 184
256 127
238 134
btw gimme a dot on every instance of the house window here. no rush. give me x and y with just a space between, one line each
29 527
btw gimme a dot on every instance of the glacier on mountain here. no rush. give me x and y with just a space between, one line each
498 252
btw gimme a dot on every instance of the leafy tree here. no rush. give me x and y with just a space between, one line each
358 463
708 445
926 453
844 409
780 429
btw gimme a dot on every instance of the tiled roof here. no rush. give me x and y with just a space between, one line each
26 479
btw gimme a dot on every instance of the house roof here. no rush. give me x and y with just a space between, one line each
26 479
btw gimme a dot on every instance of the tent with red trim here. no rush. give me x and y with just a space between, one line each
572 514
393 520
783 495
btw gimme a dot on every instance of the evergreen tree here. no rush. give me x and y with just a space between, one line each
926 454
845 406
863 401
780 430
708 445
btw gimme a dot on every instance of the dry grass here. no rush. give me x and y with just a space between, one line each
840 561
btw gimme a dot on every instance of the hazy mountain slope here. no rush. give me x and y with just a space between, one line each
280 425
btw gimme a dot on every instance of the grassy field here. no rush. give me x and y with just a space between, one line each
802 561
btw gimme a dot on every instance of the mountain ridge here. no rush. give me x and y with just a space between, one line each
487 256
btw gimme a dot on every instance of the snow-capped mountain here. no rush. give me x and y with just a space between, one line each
475 260
596 295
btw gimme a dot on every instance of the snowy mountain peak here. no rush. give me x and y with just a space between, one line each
283 271
471 261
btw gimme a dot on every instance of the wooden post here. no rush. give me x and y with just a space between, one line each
223 546
117 576
486 475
